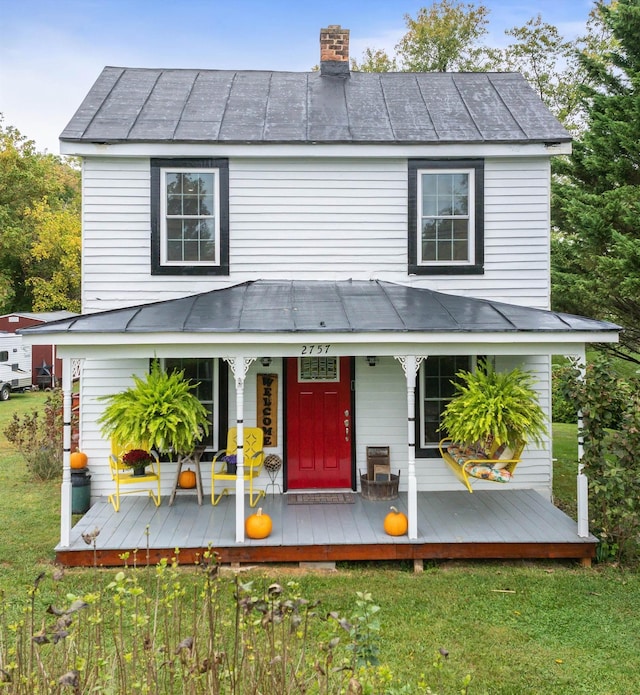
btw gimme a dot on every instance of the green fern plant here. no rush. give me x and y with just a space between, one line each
497 406
158 412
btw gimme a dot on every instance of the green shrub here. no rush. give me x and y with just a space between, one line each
563 409
610 407
38 437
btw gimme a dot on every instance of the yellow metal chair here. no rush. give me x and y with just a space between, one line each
253 460
123 475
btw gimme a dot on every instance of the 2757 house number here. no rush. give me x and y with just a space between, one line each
315 349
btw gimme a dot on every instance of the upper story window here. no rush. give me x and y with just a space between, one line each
190 216
446 217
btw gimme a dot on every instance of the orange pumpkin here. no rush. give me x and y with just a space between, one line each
78 459
396 523
187 479
258 525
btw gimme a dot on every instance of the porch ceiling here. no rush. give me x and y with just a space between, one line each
320 307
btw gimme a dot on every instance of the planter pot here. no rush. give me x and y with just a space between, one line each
379 489
139 471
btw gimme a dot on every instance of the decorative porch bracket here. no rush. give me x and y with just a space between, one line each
239 367
410 365
65 490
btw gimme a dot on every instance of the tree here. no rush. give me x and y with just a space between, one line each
596 204
548 62
54 264
375 60
445 36
35 190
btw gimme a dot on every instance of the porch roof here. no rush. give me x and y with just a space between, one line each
323 307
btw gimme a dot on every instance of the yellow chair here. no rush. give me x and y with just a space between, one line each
497 465
123 475
253 459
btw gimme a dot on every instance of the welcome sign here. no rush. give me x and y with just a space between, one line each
268 408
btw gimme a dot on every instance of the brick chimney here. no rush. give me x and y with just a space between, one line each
334 51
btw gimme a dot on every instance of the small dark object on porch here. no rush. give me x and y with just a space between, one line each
374 489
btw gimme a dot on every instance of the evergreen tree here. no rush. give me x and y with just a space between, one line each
596 203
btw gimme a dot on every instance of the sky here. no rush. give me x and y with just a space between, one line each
52 51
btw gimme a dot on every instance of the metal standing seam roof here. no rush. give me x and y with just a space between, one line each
227 106
350 306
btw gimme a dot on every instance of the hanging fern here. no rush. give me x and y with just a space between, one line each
158 412
501 405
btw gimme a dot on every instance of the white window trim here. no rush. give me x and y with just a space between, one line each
163 215
470 217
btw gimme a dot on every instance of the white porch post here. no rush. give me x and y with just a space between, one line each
582 480
65 494
239 367
410 365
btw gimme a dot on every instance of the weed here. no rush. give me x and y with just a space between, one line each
38 437
164 630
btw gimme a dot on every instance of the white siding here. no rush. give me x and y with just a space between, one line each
101 378
320 218
381 420
314 219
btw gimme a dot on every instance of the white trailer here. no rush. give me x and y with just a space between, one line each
15 364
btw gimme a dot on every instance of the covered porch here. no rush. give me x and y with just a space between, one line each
489 524
346 321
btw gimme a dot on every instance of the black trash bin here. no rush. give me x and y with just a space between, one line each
80 491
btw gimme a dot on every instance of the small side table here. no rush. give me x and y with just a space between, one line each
189 459
272 464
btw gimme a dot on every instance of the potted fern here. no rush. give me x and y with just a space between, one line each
494 408
159 412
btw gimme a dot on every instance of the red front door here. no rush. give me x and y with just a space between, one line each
319 423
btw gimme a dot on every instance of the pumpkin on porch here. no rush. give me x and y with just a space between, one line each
258 525
78 459
187 479
396 523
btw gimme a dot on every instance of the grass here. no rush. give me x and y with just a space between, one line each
29 511
515 628
565 467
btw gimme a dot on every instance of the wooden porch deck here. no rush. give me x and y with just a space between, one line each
499 524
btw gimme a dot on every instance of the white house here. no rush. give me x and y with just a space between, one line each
360 237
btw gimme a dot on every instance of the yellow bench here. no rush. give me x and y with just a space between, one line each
496 465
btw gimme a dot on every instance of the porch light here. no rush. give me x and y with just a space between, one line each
265 361
372 361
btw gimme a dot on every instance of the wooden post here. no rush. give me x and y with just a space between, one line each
65 490
239 367
411 364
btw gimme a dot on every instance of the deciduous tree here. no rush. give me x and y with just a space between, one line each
35 190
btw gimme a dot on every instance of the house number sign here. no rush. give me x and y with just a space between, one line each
315 349
267 401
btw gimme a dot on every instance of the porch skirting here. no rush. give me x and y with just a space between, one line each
492 524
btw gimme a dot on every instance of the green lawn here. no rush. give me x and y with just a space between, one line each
521 627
